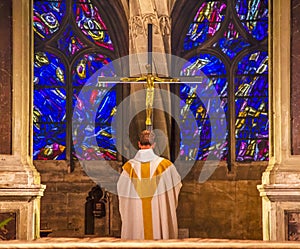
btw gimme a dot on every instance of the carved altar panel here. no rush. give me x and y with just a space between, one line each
5 76
8 226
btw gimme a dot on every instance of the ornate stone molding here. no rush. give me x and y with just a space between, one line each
280 188
161 24
280 192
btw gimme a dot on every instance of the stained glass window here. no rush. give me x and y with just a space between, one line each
206 23
251 106
72 44
89 21
221 44
49 107
194 95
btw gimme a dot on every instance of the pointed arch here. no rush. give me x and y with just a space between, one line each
86 35
221 28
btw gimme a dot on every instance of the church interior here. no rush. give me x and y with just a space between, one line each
224 75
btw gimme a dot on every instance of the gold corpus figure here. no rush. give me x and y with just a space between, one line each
149 79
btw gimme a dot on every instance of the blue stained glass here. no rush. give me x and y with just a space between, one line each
251 86
49 112
206 23
250 83
251 105
50 78
203 65
47 17
85 146
232 42
91 24
92 133
86 66
107 108
253 63
254 17
69 43
106 142
220 85
49 141
252 150
200 99
48 70
49 105
252 129
192 104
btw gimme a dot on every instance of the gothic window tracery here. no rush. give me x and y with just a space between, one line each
71 42
227 42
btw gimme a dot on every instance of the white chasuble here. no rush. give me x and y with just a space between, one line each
148 190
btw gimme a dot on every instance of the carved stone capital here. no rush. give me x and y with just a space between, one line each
161 24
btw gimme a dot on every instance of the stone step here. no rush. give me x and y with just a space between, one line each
85 243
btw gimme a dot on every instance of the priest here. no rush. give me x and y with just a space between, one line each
148 190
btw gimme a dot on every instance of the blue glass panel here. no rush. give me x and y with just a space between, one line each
69 43
251 106
47 17
206 23
232 42
201 99
49 105
91 24
107 108
254 17
86 66
100 98
252 150
253 127
49 141
86 149
254 63
203 125
48 70
92 123
203 65
251 86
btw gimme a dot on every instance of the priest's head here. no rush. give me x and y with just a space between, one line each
146 139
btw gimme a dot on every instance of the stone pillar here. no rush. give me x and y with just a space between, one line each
20 188
280 188
157 13
140 14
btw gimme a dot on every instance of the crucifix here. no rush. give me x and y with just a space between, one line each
149 78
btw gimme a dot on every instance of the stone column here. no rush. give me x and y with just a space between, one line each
141 13
157 13
20 188
280 188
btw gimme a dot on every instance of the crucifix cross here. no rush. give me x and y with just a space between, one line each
149 79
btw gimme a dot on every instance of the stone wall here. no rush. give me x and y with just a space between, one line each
221 209
226 206
63 204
